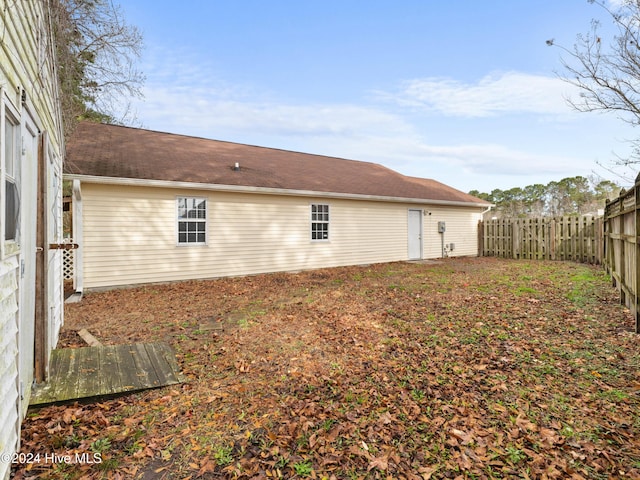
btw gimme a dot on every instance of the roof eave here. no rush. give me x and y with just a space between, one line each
261 190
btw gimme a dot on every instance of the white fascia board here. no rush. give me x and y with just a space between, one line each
137 182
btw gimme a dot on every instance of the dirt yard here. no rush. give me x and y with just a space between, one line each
465 368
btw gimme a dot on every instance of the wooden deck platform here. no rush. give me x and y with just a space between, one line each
78 373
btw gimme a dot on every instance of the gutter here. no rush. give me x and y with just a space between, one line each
135 182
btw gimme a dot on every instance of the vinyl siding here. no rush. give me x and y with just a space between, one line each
27 62
129 235
29 88
9 390
461 229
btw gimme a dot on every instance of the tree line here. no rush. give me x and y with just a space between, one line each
569 196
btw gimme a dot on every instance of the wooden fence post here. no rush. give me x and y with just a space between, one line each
515 240
621 231
599 249
636 263
552 239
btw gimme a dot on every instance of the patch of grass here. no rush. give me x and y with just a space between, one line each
524 357
583 284
327 424
560 403
281 462
133 444
470 339
417 394
108 464
223 455
526 291
336 368
545 368
614 395
515 455
567 431
62 470
100 446
303 468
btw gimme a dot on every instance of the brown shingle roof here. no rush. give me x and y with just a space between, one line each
132 153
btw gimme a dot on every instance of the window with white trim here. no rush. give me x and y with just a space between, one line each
11 169
319 221
192 220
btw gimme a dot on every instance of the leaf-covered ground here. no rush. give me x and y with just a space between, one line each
465 368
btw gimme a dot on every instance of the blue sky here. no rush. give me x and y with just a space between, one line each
464 91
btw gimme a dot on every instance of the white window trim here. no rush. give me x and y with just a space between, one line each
312 221
12 246
178 220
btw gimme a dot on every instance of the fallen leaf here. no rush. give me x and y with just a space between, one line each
381 463
427 472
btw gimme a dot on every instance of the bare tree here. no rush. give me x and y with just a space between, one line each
97 52
607 73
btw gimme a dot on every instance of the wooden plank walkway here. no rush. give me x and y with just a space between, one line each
78 373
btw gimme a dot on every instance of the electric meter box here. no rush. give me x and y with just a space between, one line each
441 227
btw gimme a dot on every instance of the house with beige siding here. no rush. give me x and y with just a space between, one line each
31 146
157 207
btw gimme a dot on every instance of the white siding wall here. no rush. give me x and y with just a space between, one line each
27 88
461 229
9 390
129 235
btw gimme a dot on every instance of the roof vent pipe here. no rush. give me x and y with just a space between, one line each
236 167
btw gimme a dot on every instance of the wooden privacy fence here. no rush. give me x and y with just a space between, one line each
622 258
579 239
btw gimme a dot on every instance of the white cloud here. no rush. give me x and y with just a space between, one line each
618 3
194 102
498 159
347 131
505 93
205 112
185 95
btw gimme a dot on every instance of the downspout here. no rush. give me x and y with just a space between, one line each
487 210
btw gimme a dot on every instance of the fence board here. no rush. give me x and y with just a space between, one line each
622 248
577 239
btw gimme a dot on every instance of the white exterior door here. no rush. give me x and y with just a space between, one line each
415 234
